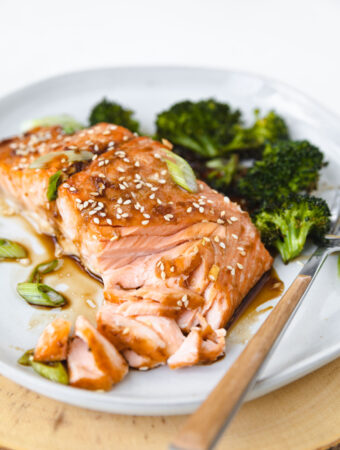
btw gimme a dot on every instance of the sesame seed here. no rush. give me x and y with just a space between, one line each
222 244
152 196
196 205
172 269
227 199
220 221
145 222
222 213
157 156
101 163
121 170
73 189
122 187
234 236
137 164
109 221
216 239
240 266
118 216
168 217
137 176
127 202
201 210
179 303
96 220
125 215
163 275
147 216
78 200
119 211
234 219
162 181
229 268
139 186
114 238
189 209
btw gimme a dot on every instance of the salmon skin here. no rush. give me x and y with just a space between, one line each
175 264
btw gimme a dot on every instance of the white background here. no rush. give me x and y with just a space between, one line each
295 41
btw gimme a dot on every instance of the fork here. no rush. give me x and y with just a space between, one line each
202 430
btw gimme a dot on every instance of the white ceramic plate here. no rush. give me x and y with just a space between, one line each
312 339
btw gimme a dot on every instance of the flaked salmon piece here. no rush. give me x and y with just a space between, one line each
127 333
53 342
144 307
137 361
189 352
167 329
93 362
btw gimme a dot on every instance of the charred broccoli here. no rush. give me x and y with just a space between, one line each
221 171
286 167
111 112
205 127
287 226
270 128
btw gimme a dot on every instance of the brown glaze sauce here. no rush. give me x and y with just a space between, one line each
256 303
81 288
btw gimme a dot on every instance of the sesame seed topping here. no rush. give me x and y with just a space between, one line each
189 209
240 266
234 236
220 221
109 221
145 222
168 217
96 220
234 219
222 244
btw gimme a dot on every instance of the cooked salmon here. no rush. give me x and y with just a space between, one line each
92 361
53 342
175 264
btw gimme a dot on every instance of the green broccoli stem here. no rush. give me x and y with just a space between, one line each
202 145
294 241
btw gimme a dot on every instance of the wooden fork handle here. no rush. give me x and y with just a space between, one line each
203 428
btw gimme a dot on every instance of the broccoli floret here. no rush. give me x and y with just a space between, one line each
286 167
270 128
205 127
111 112
287 226
221 171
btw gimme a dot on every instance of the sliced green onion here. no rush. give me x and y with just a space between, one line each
72 155
11 250
180 171
53 184
26 358
43 269
54 371
40 294
68 123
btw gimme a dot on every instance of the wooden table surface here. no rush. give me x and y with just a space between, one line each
301 416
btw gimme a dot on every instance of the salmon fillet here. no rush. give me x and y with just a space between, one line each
53 342
175 264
